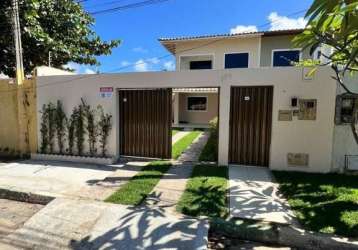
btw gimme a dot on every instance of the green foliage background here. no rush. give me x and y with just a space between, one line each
61 27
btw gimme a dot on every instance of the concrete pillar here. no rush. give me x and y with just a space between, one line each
176 108
224 118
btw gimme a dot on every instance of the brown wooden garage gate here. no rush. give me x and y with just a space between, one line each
145 123
250 125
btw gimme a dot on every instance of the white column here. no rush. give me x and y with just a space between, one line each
176 108
224 125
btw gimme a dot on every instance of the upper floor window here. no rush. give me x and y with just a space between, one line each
284 58
236 60
201 65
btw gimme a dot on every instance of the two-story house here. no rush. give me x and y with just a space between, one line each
269 113
195 107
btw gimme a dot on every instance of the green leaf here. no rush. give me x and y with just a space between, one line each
60 26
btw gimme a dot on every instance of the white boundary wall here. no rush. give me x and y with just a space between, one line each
312 137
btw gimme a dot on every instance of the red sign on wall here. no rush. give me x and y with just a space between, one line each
106 92
106 89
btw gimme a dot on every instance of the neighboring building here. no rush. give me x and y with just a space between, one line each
196 107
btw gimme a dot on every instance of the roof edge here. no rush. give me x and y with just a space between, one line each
228 35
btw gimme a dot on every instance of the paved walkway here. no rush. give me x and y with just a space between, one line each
84 224
169 189
254 195
192 153
179 135
171 186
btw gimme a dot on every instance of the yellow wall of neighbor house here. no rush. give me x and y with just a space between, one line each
8 116
18 109
198 117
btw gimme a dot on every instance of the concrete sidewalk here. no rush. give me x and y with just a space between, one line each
254 195
14 214
65 179
83 224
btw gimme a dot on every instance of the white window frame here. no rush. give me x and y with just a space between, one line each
201 96
278 50
238 52
203 54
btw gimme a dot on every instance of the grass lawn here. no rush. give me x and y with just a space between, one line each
174 131
179 147
326 203
138 188
210 151
206 192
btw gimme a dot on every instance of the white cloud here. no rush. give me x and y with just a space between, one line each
140 50
283 22
153 60
125 63
89 71
74 66
243 29
169 66
141 66
79 69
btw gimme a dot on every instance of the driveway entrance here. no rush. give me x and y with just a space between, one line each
145 123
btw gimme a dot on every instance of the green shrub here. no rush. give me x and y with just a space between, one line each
105 126
210 151
61 121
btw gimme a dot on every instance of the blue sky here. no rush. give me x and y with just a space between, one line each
139 28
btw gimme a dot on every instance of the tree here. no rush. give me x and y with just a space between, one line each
60 27
333 24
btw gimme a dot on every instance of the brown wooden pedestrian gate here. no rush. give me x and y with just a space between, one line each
250 125
145 123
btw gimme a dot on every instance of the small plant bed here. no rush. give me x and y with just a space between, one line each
206 192
141 185
326 203
180 146
210 151
64 137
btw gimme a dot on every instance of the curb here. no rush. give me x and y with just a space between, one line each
281 234
25 197
71 158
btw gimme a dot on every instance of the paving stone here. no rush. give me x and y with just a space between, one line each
170 188
14 214
192 153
